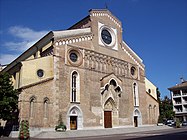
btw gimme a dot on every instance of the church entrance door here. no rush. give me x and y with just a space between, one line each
136 121
73 122
108 119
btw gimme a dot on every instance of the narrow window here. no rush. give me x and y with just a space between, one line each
74 85
135 94
150 113
46 107
32 106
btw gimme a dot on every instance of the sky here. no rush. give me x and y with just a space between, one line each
155 29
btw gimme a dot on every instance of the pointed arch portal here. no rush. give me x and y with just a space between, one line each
137 118
75 118
109 105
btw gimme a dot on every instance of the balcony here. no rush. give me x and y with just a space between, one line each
184 102
184 111
178 103
184 94
176 95
178 111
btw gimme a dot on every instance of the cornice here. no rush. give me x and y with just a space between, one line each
131 56
105 13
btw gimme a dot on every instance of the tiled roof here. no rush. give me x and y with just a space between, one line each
179 86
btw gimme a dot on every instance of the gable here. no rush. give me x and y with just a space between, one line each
106 79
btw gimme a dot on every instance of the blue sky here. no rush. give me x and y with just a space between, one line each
155 29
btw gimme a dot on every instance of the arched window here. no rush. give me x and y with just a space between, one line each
32 107
46 107
75 87
150 114
135 94
154 108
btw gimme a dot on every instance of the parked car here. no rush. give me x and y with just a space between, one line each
184 123
170 122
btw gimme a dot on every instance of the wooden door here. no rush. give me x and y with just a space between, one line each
108 119
73 122
136 121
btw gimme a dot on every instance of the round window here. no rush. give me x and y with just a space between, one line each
73 56
40 73
106 36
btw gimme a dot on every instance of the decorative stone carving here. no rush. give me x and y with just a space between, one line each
105 64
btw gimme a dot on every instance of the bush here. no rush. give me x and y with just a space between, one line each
160 119
61 127
177 123
24 130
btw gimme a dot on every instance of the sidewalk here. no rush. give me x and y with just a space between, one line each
98 132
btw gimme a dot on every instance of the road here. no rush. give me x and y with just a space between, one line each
169 134
151 135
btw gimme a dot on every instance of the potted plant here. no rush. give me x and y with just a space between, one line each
24 130
61 127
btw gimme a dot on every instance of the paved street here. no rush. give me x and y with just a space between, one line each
174 134
163 134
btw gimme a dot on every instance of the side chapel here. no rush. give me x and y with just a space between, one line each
87 75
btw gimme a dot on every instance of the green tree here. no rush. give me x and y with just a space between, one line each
165 107
8 98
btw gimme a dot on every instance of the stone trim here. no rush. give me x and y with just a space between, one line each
103 63
123 48
152 97
40 82
73 40
107 14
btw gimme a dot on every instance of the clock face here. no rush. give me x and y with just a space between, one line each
106 36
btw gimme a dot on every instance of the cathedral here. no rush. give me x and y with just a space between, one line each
85 75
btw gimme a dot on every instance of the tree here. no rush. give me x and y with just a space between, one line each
8 98
165 107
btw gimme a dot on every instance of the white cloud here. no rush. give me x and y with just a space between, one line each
7 58
25 37
19 46
26 33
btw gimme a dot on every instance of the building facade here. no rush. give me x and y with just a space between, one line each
179 100
87 75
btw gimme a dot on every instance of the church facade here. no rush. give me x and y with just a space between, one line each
87 75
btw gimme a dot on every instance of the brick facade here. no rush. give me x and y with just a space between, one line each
110 78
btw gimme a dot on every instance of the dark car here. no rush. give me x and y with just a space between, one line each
170 122
184 123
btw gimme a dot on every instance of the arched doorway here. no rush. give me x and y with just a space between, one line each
74 118
108 108
137 119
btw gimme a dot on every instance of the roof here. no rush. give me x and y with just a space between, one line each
71 33
182 85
